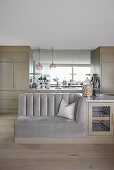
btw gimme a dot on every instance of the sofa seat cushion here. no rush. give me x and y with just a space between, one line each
47 126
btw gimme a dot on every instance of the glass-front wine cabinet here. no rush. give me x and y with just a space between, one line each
101 119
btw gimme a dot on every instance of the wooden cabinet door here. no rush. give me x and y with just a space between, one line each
101 119
21 76
6 57
108 72
6 76
20 57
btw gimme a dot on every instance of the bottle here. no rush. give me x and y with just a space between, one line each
64 82
97 84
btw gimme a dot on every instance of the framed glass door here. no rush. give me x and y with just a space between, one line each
101 119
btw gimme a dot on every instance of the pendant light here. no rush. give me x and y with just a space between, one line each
39 66
52 65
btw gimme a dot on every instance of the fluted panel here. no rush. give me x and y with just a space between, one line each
66 98
50 104
71 98
58 98
22 105
40 104
43 104
29 104
36 101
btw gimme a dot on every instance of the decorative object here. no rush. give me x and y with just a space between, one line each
39 66
66 110
47 85
87 90
52 65
87 80
64 82
95 79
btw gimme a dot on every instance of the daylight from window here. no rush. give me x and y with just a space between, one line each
74 74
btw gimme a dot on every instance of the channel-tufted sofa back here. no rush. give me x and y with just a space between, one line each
40 104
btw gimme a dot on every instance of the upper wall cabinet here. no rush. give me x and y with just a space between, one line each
6 57
14 53
14 49
102 62
14 57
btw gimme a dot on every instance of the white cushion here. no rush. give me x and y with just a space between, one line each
66 111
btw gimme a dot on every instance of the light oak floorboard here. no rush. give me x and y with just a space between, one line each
56 157
7 127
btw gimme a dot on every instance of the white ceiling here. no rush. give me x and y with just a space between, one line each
63 24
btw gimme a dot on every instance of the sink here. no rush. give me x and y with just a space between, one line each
58 87
100 94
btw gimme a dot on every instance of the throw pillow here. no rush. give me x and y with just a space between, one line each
66 111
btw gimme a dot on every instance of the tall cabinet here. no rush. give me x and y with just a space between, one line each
6 76
21 78
102 64
14 75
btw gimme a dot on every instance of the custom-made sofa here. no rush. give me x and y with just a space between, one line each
37 116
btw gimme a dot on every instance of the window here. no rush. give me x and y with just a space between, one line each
75 74
62 73
80 73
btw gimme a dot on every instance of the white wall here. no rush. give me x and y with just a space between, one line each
63 56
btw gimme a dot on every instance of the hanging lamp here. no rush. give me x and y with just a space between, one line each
52 65
39 66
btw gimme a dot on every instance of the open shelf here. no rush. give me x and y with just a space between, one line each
100 118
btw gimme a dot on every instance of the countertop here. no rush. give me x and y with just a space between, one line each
101 98
58 90
98 98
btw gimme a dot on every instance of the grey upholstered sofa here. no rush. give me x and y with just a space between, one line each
37 116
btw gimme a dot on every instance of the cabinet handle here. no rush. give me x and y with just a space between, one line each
14 84
112 119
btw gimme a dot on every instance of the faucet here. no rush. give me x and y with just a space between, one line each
57 80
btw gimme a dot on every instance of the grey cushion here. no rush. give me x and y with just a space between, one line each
80 110
66 110
22 105
42 126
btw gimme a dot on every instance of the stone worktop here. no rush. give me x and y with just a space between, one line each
58 90
101 98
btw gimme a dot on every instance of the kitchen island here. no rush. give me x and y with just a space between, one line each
101 98
100 117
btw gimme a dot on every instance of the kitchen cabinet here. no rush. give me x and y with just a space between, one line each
107 78
102 64
6 76
21 76
14 75
101 119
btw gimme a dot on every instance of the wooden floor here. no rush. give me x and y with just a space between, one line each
56 157
50 157
7 127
